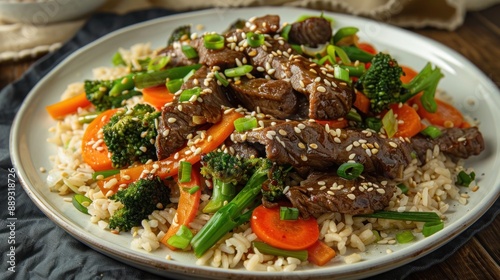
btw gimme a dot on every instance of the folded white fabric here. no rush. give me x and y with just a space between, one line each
20 40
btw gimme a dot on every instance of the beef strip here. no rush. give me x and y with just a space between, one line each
243 150
324 193
328 97
273 97
179 119
311 32
224 58
177 57
267 24
310 146
454 142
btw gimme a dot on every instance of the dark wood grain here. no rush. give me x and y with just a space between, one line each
479 41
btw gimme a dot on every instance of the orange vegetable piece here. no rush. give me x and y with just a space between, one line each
339 123
98 159
367 47
409 122
409 74
157 96
320 253
446 115
168 167
362 102
187 207
68 106
284 234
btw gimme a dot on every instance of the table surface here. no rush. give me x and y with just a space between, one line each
478 39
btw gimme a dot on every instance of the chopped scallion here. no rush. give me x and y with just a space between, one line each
344 32
182 238
431 131
354 116
403 188
255 40
184 175
221 78
404 236
432 227
404 216
192 190
285 31
81 203
270 250
350 170
464 179
213 41
174 85
238 71
343 55
289 213
105 173
389 123
117 59
158 63
244 124
187 94
189 51
341 74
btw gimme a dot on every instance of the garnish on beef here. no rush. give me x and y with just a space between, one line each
179 119
177 57
267 24
325 192
224 58
272 97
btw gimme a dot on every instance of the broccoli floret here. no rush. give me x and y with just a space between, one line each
381 83
130 135
107 94
139 200
231 214
272 190
226 172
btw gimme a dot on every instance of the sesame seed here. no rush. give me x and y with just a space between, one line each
317 80
282 132
368 152
381 191
461 139
321 183
321 89
351 196
330 193
337 140
392 144
352 156
301 145
322 188
348 148
297 130
301 83
303 157
313 146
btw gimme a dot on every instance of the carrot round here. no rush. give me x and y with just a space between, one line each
157 96
216 135
362 102
320 253
187 206
284 234
446 115
97 156
68 106
409 74
409 123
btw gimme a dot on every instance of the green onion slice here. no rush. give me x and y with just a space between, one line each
404 216
188 75
289 213
270 250
182 238
344 32
184 175
353 115
255 40
117 59
189 51
105 173
464 179
404 236
213 41
174 85
431 131
341 74
389 123
221 78
244 124
432 227
343 55
238 71
81 203
403 187
187 94
350 170
158 63
285 31
192 190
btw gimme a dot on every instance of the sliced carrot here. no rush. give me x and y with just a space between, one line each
320 253
284 234
157 96
215 136
339 123
187 207
68 106
446 115
97 158
367 47
362 102
409 122
409 74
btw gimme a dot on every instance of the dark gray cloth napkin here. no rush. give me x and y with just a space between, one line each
45 251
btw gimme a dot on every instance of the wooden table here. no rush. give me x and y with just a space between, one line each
478 40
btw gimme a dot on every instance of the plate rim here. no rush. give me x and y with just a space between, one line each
143 261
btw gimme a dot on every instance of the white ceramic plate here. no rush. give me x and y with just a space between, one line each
463 80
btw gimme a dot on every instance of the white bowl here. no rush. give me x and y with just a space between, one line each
42 12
